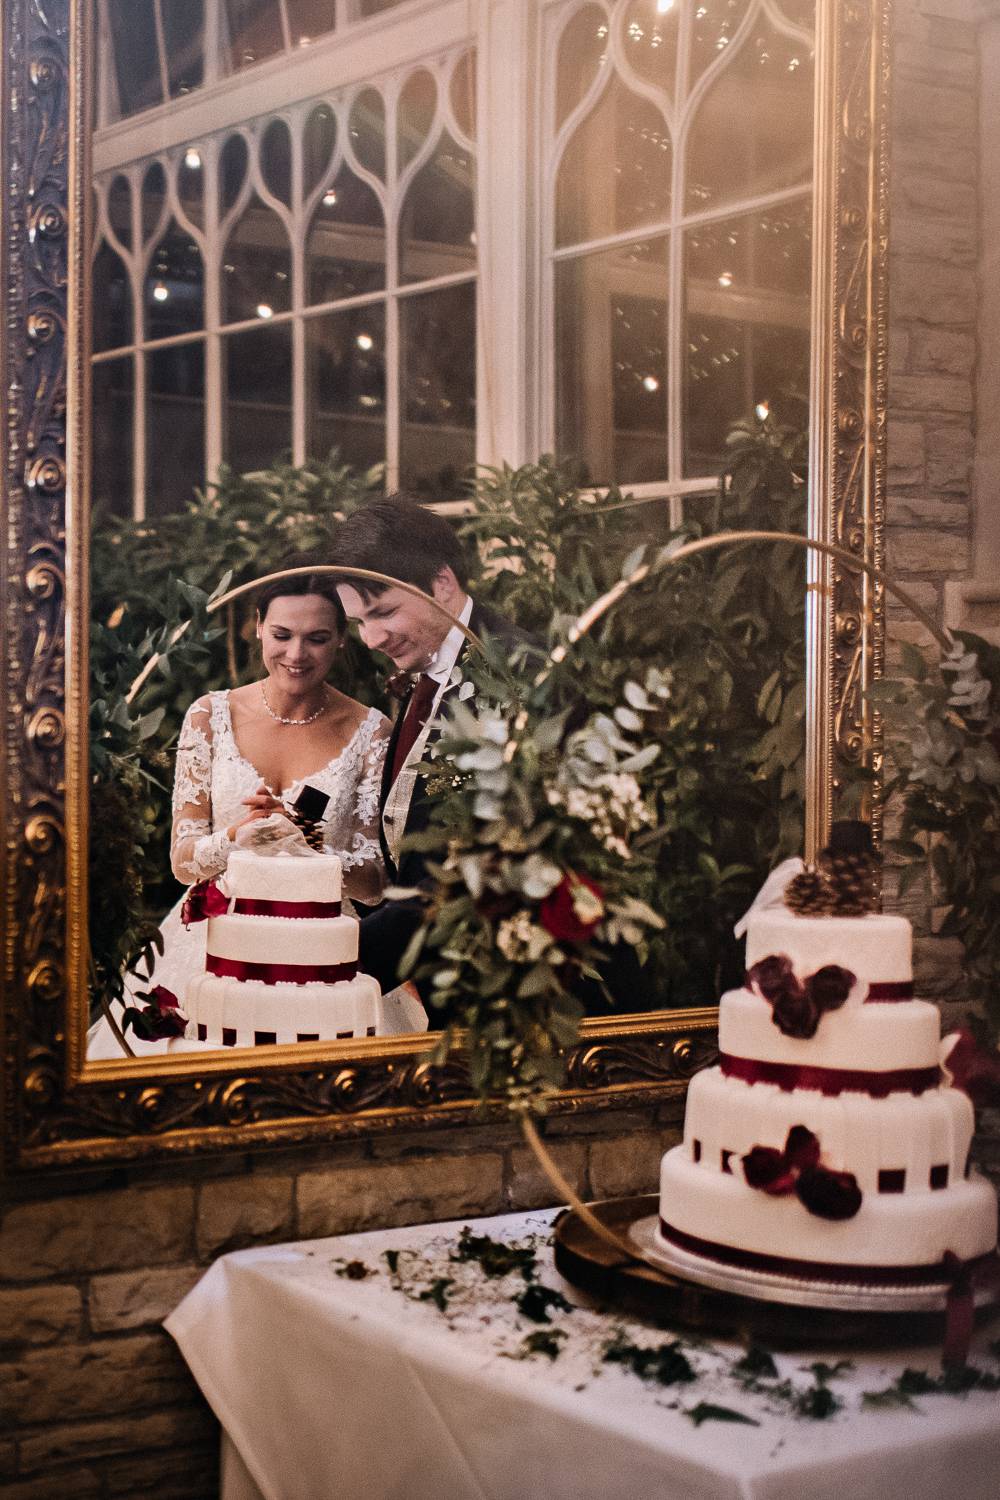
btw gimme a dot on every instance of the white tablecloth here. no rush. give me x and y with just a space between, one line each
330 1386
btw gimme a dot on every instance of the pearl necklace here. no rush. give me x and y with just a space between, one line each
278 718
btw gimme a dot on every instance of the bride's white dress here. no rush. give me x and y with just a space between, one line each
212 779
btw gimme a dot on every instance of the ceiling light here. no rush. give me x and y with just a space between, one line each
265 310
192 158
160 292
364 341
650 383
329 198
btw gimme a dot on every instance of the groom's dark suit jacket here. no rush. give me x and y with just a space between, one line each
387 930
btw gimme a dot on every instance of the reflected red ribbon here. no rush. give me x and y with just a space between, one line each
247 906
789 1076
272 973
891 990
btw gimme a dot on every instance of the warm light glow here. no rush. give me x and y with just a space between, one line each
726 279
368 400
329 198
650 383
364 341
192 159
265 310
663 6
762 410
160 293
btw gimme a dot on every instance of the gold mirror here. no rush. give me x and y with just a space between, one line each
428 234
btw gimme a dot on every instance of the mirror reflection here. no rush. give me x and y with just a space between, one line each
292 296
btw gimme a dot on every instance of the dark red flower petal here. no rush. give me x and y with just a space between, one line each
163 998
767 1169
829 1195
801 1148
830 986
770 976
202 901
558 915
796 1012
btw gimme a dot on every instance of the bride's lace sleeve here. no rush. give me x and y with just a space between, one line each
196 853
361 856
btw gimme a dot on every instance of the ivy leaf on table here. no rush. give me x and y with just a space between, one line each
536 1301
542 1341
708 1411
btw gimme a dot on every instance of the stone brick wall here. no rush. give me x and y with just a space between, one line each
934 305
94 1398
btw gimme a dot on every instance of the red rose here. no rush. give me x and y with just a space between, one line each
766 1168
572 911
829 1195
202 901
159 1019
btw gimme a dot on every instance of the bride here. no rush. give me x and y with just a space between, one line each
246 753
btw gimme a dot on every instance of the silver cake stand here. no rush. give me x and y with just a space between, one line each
779 1311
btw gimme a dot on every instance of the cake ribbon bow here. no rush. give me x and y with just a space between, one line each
771 893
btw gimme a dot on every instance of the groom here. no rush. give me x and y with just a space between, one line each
397 537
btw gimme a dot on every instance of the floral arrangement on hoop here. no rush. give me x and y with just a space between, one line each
543 871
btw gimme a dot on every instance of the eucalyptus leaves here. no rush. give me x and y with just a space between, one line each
543 885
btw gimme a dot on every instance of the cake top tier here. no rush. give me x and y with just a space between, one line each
878 950
282 877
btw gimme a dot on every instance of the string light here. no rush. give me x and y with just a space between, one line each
650 383
664 6
329 198
265 310
364 341
762 411
726 279
160 292
192 159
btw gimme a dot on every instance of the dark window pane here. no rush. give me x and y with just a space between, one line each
256 266
345 251
318 141
438 379
437 225
747 285
175 426
414 114
232 170
753 130
120 210
582 51
111 312
367 131
137 64
183 35
276 161
191 185
111 436
650 37
174 290
615 173
154 193
611 362
308 19
345 379
258 422
714 24
254 31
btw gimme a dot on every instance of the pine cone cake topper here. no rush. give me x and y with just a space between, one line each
307 813
842 883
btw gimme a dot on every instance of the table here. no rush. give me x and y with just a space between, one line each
430 1384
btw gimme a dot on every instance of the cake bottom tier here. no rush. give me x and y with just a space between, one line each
719 1215
246 1013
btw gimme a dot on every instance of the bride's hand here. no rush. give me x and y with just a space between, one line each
262 804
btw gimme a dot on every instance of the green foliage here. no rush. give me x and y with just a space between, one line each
943 735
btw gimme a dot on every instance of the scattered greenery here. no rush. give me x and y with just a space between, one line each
546 1341
943 736
708 1411
537 1301
666 1364
495 1257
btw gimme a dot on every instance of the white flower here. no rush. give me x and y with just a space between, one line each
521 940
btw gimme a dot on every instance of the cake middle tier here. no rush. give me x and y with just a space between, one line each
875 1038
300 942
904 1143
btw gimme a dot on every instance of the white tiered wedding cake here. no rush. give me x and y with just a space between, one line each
824 1148
282 960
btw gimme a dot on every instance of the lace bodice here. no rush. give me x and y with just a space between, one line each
212 777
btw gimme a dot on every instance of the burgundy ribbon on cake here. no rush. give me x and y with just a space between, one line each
790 1076
247 906
274 973
890 990
820 1270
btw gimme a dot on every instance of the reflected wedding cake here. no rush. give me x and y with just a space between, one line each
825 1147
281 959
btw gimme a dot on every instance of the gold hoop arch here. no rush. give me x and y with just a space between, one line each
365 574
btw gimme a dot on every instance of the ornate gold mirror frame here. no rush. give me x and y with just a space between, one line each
58 1112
